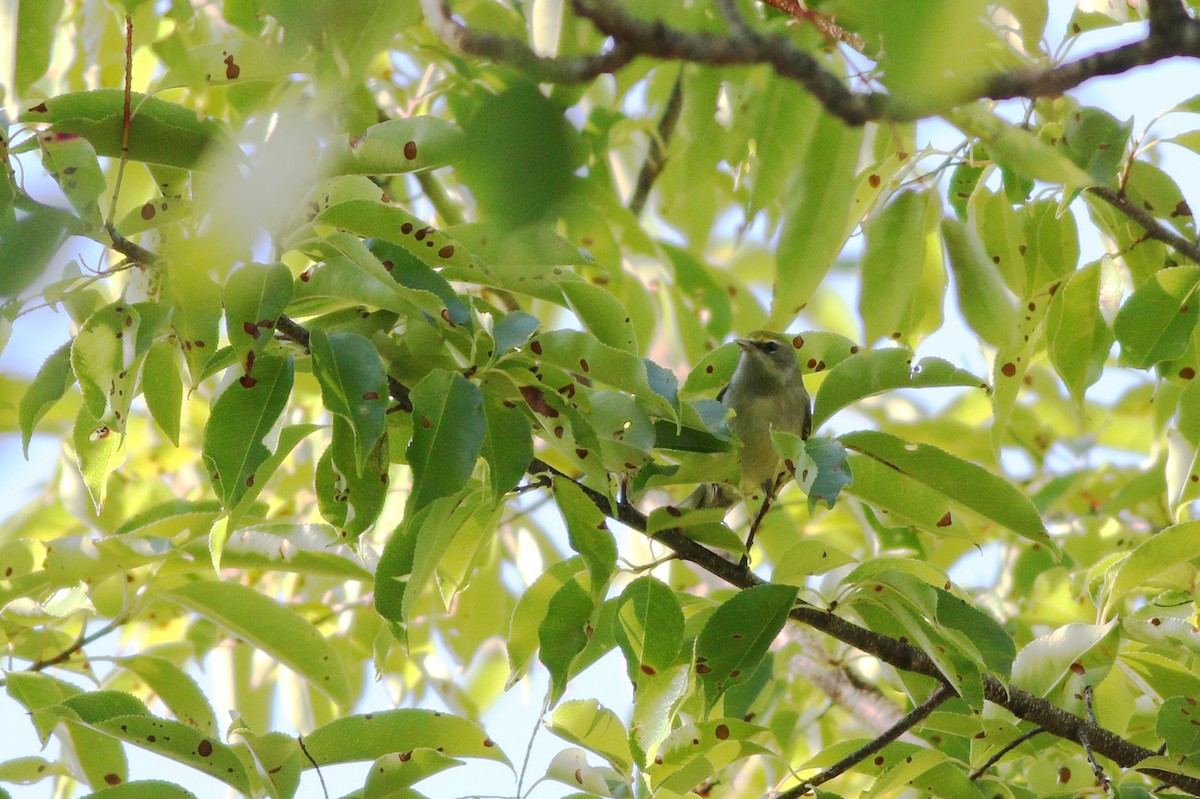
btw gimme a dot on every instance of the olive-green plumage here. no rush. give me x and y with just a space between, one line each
765 393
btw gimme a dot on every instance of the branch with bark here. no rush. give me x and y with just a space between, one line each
1172 33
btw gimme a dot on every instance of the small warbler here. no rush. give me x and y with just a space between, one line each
765 393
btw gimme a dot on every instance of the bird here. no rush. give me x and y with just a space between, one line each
765 393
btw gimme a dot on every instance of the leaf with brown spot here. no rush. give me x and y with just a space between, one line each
756 614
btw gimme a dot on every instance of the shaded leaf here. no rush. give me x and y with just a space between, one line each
736 637
448 433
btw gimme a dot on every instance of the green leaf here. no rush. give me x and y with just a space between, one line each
437 531
507 445
254 296
1079 337
818 464
107 356
29 243
48 387
584 354
596 728
162 386
955 480
196 298
125 718
413 273
814 226
33 38
1058 665
1053 244
1175 727
177 690
736 637
371 219
871 372
982 297
98 451
1169 547
964 180
511 331
350 496
588 534
448 431
1017 148
693 753
1096 141
563 633
353 386
276 758
160 132
975 633
1156 322
805 559
649 629
892 264
72 161
241 420
391 774
531 610
1157 193
396 146
279 631
702 525
370 736
233 61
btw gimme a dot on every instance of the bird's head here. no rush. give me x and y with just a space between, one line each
768 356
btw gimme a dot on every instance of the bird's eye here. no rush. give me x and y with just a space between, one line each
770 347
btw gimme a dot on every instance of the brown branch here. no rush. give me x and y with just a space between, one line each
139 255
1167 16
656 158
506 50
1184 40
913 718
895 653
1119 200
1172 33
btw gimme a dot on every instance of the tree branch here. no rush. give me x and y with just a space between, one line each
516 53
1118 199
656 157
895 653
912 719
1172 33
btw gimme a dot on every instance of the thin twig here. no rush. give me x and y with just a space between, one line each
912 719
656 157
1097 769
537 726
317 768
1011 745
80 642
126 120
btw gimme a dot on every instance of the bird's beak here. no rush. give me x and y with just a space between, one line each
745 343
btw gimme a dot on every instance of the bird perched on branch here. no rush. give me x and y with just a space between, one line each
765 393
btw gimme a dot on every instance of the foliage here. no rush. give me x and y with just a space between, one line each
382 288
